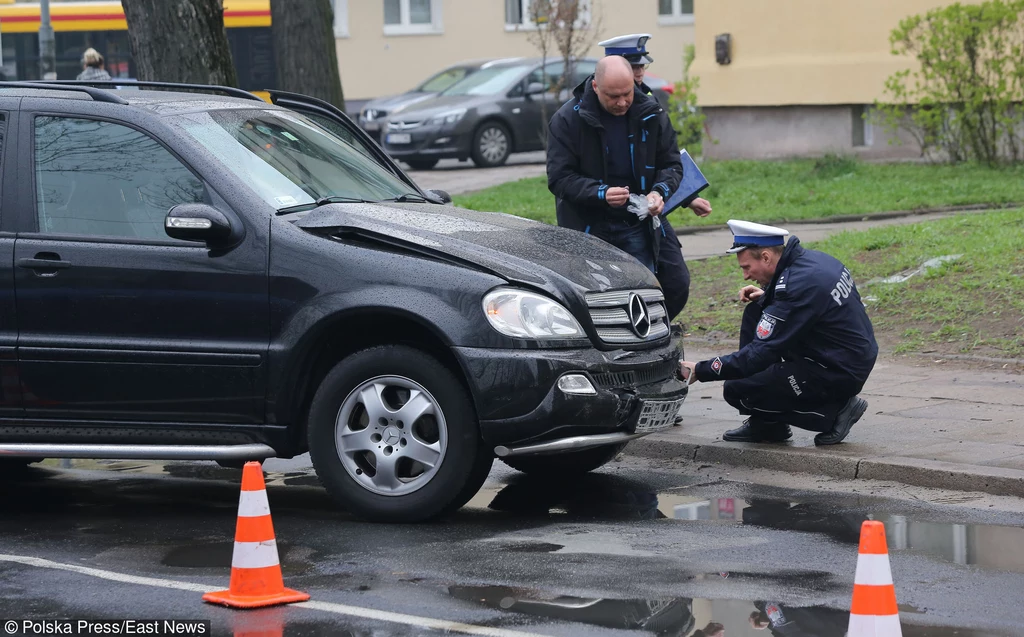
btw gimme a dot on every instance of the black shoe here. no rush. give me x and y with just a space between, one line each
754 430
849 414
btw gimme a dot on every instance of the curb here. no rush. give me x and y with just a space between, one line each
917 472
867 216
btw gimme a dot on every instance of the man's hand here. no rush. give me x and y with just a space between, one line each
686 369
750 293
617 197
700 207
655 203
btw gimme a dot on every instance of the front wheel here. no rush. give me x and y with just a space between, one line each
572 463
492 144
393 436
421 164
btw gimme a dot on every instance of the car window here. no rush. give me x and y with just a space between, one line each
489 81
442 80
335 127
583 70
550 75
97 178
287 158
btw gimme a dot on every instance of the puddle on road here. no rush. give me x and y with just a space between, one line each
683 615
608 497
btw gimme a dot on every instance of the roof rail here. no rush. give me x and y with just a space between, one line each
209 88
96 94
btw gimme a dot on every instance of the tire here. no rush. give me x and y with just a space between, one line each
573 463
421 164
492 144
360 407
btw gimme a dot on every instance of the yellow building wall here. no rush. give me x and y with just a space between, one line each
790 52
373 64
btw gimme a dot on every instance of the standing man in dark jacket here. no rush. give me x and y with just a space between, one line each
672 272
806 343
608 142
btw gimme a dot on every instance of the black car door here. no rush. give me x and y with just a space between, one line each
10 384
119 322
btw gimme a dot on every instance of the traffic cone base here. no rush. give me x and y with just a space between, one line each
256 579
873 611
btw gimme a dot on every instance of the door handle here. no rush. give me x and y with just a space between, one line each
44 263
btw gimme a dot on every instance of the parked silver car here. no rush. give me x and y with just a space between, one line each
375 112
487 116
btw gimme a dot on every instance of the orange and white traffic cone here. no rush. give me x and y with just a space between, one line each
256 579
873 612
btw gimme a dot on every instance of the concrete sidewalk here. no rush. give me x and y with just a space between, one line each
928 424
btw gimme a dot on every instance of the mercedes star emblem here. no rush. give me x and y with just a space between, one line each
639 318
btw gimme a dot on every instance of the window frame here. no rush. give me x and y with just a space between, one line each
677 17
529 25
30 220
405 27
340 8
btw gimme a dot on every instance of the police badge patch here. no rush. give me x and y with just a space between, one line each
765 327
716 366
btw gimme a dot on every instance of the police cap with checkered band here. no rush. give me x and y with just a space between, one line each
633 47
747 234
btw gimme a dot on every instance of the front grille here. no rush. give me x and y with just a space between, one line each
609 312
658 372
403 125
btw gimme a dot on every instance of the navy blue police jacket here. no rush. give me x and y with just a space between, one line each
811 310
577 167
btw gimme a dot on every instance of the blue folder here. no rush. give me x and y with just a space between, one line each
692 184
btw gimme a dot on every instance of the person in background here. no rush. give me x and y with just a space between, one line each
92 66
672 272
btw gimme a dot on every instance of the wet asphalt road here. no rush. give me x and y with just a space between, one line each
625 550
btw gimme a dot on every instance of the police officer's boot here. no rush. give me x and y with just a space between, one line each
756 430
848 415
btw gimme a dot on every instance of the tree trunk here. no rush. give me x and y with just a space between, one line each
180 41
304 49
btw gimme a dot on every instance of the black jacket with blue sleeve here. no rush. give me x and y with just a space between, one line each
811 310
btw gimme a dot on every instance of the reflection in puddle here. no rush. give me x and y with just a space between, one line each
609 497
684 616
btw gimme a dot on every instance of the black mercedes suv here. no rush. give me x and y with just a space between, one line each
191 272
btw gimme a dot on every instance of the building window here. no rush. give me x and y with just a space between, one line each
519 13
675 12
340 8
410 17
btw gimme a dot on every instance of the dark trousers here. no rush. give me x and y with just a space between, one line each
672 272
632 238
796 392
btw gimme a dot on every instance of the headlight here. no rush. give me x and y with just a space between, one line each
522 314
448 118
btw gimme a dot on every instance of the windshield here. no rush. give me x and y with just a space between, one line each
490 81
443 80
287 159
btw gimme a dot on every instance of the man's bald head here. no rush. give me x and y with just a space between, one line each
613 83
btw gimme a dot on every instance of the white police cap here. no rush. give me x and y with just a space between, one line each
633 47
747 234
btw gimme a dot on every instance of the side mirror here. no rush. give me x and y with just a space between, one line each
198 222
534 88
441 194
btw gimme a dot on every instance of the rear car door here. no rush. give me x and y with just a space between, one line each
10 385
121 322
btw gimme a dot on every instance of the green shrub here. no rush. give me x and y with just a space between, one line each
687 118
964 99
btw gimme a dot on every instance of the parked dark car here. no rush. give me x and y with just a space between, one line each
208 276
374 113
485 117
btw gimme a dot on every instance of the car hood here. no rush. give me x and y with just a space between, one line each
395 102
519 250
439 104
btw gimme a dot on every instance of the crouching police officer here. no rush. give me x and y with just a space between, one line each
806 343
671 271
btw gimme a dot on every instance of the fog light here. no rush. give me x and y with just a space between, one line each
443 140
576 384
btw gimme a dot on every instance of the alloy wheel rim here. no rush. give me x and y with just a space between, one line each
391 435
493 144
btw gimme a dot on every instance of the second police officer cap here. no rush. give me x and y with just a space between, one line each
633 47
747 234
